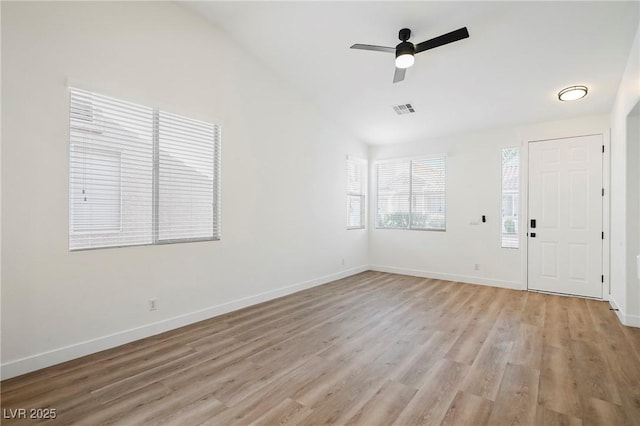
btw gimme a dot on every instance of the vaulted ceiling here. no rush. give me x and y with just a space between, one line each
519 55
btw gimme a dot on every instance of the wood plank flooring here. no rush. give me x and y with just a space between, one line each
371 349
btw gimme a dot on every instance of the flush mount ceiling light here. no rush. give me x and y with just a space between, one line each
572 93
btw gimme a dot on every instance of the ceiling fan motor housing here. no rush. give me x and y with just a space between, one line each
405 48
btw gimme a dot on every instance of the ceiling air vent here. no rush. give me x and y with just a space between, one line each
404 109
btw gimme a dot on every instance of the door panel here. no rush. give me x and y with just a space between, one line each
565 199
549 251
578 206
550 200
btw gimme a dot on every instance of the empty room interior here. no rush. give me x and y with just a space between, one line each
316 212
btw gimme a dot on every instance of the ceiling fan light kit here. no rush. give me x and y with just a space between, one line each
405 51
405 55
573 93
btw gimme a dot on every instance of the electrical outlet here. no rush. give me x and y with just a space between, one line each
476 266
153 304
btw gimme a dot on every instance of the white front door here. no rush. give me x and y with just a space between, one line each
565 216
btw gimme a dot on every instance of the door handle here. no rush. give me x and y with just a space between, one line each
533 223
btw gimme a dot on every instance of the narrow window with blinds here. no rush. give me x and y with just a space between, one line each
356 189
411 194
139 175
510 197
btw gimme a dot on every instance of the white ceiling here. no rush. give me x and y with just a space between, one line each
518 56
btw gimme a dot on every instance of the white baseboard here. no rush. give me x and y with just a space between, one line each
632 320
626 319
77 350
514 285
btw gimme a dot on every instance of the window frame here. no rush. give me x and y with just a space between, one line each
86 125
410 196
362 194
511 240
215 195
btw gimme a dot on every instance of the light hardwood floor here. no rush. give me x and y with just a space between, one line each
370 349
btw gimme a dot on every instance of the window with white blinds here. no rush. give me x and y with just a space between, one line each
510 197
356 190
187 179
410 194
139 175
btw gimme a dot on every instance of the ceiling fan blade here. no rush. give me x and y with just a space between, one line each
399 74
447 38
372 47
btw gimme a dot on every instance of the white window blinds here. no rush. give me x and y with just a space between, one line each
96 200
139 175
188 175
393 193
356 189
510 197
111 172
411 194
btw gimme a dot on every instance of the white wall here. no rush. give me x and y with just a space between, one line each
0 196
283 180
633 210
473 189
625 288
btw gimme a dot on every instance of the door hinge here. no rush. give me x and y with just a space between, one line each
603 235
601 278
603 149
603 192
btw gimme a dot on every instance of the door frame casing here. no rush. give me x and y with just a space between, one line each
606 203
